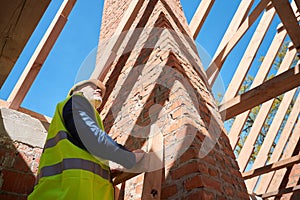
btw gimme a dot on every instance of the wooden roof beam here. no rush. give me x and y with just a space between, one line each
263 153
200 16
239 17
291 145
218 60
289 20
249 55
280 192
264 69
284 148
272 167
39 56
261 116
262 93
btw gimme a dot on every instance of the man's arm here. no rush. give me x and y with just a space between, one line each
79 118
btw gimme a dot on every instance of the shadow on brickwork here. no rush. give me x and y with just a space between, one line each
211 174
19 161
203 165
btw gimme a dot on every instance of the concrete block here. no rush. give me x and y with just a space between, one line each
22 127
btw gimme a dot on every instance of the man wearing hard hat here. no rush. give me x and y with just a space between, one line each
74 163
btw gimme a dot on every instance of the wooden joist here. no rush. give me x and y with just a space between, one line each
217 62
289 20
291 146
264 92
272 167
40 54
262 73
200 16
249 54
262 155
261 116
235 23
285 146
120 177
280 192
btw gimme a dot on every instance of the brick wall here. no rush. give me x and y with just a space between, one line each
157 88
20 149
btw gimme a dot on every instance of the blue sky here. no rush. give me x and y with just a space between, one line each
78 41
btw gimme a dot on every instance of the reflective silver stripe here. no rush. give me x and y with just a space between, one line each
73 163
53 141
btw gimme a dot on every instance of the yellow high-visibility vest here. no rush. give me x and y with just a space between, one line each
67 171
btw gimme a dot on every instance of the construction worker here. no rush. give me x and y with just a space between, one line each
74 163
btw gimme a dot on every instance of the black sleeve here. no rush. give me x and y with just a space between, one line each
79 118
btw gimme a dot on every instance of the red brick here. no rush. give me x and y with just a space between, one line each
208 195
12 197
2 154
211 183
229 152
235 173
20 164
213 172
168 191
176 104
177 113
221 198
227 178
228 191
174 127
194 182
17 182
208 159
202 194
185 170
209 168
190 153
242 195
203 168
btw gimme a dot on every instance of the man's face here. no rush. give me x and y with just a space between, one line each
93 94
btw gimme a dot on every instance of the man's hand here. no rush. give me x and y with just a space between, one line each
139 155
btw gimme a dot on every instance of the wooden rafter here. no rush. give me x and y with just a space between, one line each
289 20
262 73
235 23
38 58
249 54
280 192
217 62
262 155
281 145
260 119
200 16
287 153
266 91
272 167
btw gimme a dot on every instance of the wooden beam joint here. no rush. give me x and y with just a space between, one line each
262 93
